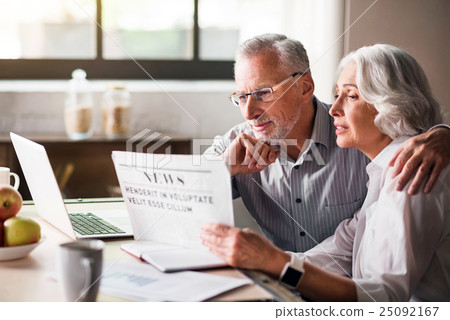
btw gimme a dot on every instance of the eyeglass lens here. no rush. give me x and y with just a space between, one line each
262 95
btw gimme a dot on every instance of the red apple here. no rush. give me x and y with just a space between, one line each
20 231
10 202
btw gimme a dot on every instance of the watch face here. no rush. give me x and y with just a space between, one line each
291 277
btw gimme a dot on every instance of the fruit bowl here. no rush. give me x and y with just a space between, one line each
17 252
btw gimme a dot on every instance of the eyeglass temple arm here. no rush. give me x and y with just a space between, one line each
283 82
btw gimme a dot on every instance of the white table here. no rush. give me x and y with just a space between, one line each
32 278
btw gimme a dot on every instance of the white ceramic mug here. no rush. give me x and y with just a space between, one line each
5 177
79 267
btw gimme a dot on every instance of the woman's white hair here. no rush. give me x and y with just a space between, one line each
395 84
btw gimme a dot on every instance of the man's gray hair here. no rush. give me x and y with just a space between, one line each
393 81
291 53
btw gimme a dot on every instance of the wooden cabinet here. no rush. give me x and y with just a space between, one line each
84 169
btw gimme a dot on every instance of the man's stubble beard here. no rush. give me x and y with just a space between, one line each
281 127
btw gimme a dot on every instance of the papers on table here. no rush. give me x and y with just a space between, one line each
141 282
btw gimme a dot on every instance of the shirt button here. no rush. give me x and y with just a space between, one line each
298 200
302 233
296 167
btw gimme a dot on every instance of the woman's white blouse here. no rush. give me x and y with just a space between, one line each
396 247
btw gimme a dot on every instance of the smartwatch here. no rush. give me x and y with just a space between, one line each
292 272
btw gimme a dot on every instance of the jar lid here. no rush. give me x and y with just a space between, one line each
78 74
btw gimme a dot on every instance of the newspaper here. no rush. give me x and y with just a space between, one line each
169 197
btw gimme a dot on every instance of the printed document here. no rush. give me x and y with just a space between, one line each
169 198
141 282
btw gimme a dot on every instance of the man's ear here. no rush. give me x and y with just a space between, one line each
307 86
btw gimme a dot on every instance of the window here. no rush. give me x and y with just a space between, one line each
170 39
148 29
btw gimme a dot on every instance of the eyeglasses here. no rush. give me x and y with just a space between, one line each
261 95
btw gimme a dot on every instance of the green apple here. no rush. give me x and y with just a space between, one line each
10 202
18 231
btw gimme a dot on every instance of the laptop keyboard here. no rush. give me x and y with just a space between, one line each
89 224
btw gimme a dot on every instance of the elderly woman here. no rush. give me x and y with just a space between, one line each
397 246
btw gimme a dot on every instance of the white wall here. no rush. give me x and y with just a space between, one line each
420 27
321 32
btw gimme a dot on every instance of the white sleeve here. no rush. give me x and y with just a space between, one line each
334 254
218 147
400 241
222 142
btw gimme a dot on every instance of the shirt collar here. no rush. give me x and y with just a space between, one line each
385 156
320 133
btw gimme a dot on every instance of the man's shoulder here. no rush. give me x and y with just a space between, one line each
326 106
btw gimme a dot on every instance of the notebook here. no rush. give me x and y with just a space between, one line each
168 258
50 205
168 198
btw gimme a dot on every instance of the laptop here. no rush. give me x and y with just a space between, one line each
50 205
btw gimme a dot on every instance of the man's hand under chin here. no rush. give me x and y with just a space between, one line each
422 158
246 155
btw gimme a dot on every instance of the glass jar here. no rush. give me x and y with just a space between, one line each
116 110
78 107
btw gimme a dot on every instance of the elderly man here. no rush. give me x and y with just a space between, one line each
285 164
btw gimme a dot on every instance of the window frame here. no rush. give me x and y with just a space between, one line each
99 68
